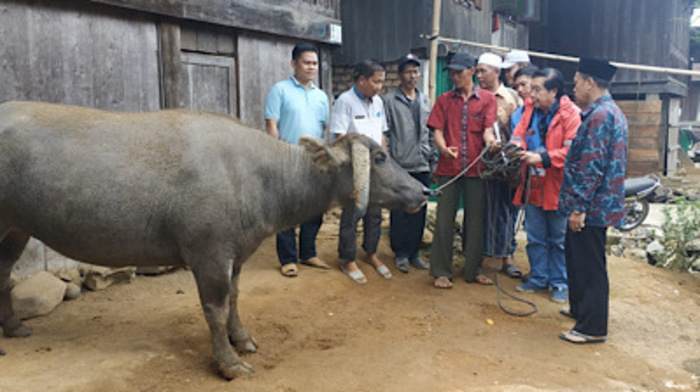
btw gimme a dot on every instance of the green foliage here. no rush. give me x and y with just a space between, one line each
681 226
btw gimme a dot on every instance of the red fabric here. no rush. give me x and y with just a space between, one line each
447 116
544 191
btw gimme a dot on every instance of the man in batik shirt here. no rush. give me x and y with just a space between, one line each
592 196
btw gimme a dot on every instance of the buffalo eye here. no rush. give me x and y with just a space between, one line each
380 158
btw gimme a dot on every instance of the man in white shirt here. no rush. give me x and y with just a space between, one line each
360 110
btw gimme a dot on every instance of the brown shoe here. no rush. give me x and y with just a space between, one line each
316 263
289 270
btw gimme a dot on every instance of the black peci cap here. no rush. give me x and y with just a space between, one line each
598 68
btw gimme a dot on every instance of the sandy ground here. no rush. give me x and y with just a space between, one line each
321 332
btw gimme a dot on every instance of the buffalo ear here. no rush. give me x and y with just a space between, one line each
321 154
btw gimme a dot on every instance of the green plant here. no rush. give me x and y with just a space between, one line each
681 226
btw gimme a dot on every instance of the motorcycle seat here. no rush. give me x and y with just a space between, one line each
638 184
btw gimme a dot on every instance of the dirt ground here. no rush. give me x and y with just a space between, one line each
321 332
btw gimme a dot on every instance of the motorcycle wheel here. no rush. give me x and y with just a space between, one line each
635 213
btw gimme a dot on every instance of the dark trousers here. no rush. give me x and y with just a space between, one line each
286 242
471 192
347 243
588 279
406 231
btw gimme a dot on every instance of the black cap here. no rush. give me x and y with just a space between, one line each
408 59
598 68
461 61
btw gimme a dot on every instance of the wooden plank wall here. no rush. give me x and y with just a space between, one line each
209 83
262 63
84 56
388 29
645 122
650 32
292 18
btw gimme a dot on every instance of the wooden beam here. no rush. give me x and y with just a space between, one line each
289 18
432 83
171 64
668 86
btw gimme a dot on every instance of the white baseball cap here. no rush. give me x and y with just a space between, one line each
491 59
515 56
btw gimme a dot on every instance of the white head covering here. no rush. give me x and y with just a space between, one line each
491 59
515 56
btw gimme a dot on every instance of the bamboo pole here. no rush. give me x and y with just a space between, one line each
432 83
634 67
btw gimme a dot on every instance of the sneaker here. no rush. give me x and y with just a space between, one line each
402 264
419 263
528 287
559 295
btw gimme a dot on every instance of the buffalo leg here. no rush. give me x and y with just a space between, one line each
238 335
213 279
11 247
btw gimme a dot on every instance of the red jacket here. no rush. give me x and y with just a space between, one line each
560 133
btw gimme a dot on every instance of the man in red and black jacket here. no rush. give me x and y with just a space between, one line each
545 131
462 121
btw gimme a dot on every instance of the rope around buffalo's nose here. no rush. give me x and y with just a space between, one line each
500 291
463 172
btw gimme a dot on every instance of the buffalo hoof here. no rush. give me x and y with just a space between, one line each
246 346
236 370
18 330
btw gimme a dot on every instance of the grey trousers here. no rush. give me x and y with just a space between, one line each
347 243
471 191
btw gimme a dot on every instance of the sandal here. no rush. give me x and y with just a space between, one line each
442 282
383 270
483 280
289 270
316 262
357 276
511 271
576 337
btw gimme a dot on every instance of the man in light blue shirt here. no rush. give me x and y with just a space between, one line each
295 108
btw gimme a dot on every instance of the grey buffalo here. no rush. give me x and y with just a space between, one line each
173 188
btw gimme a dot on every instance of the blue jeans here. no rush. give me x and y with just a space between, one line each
286 242
546 233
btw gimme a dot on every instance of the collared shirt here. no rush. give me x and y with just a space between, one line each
594 174
354 113
298 110
463 123
408 136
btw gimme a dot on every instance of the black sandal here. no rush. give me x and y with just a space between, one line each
511 271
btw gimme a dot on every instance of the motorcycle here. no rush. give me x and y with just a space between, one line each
637 193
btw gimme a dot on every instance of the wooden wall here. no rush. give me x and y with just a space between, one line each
651 32
90 56
646 141
388 29
301 19
266 62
